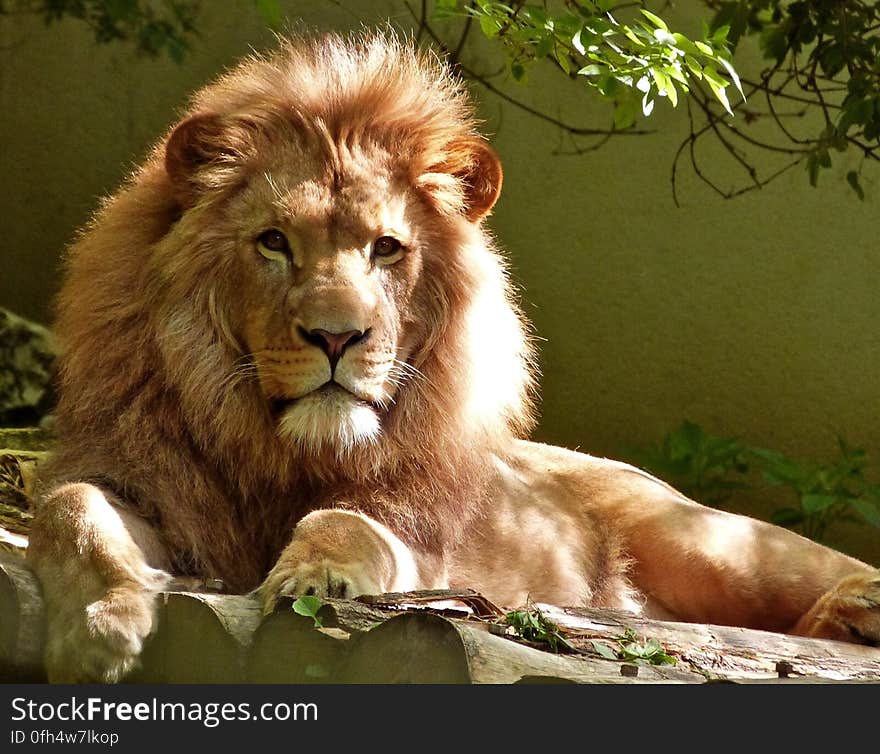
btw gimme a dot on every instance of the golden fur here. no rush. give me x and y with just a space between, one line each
199 426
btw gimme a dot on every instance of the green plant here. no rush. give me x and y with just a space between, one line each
532 625
708 468
705 467
823 57
630 64
815 94
154 26
165 26
631 649
824 493
308 606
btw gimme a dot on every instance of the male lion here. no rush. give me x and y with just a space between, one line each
292 320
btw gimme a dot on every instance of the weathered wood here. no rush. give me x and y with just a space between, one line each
474 602
426 648
289 648
22 622
210 637
729 652
201 638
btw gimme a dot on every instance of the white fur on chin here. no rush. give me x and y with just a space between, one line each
330 417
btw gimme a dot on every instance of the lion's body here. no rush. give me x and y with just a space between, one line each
292 321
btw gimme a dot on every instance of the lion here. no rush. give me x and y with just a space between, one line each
293 361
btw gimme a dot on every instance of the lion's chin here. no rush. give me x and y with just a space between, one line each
329 418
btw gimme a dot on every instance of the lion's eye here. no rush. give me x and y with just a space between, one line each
272 244
387 248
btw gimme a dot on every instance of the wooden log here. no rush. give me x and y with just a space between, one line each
289 648
729 652
427 648
22 623
209 637
201 638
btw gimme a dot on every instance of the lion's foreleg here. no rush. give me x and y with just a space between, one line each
100 568
340 553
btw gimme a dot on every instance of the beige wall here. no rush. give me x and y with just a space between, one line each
754 317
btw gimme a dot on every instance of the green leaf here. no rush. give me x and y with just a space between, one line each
719 36
609 86
544 46
774 43
694 66
869 511
445 9
733 76
685 45
656 20
518 70
704 48
630 35
720 94
604 650
560 54
813 504
660 79
490 26
308 606
852 178
625 114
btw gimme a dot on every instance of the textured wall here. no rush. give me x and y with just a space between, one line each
755 317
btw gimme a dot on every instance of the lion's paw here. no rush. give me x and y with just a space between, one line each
322 579
849 612
100 643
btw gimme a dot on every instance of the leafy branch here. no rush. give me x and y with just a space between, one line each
819 94
628 64
164 26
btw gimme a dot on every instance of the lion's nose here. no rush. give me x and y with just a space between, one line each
332 343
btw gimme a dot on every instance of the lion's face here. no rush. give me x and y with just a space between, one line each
330 259
327 260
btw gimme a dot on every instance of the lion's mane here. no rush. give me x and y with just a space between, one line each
157 404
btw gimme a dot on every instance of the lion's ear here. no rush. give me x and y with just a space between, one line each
468 180
481 179
197 141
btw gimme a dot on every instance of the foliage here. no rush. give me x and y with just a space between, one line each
631 649
708 468
824 57
629 64
701 465
164 26
532 625
308 606
154 26
816 94
825 493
